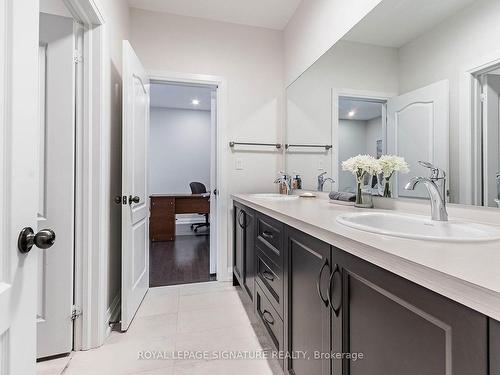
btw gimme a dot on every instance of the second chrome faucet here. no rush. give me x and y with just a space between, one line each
436 186
322 180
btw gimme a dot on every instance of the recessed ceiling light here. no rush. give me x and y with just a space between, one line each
195 102
351 113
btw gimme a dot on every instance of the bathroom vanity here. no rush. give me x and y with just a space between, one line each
400 306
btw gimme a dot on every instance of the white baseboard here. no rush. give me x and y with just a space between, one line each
189 220
112 314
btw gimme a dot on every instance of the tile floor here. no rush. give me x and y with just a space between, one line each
193 317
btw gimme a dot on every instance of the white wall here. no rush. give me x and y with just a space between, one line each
251 61
442 53
179 149
353 134
358 137
315 27
373 134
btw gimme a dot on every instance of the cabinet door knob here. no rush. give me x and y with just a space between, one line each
268 317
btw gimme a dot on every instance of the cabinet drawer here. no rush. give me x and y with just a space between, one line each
270 277
270 238
269 317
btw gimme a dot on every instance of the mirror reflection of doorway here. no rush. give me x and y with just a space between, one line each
490 125
361 129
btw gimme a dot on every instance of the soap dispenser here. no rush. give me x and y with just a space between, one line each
297 182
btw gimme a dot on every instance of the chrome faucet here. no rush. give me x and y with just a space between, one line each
322 180
286 180
436 186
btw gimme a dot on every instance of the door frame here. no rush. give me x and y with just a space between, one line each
222 243
357 94
470 118
91 215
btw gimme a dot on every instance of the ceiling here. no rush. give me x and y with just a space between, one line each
272 14
393 23
180 96
363 111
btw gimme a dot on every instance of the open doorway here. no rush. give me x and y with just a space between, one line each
361 127
182 164
488 145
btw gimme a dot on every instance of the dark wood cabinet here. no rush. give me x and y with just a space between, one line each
349 316
307 313
400 327
494 346
249 227
239 244
244 248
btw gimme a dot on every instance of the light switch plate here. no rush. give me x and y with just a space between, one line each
239 164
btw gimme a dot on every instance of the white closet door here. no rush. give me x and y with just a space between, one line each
56 185
18 183
135 191
418 129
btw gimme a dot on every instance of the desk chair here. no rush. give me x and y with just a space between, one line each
199 188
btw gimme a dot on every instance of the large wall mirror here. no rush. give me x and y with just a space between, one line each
418 79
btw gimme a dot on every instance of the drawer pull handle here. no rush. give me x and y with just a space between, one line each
336 310
266 315
318 283
267 234
268 275
241 219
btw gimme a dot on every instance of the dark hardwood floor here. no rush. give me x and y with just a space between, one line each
185 260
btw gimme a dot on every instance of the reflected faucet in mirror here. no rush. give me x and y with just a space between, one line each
322 180
285 183
497 200
436 186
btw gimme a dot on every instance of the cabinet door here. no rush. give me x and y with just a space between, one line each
307 313
239 244
403 328
494 346
249 251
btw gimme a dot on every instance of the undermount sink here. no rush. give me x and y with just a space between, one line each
419 227
275 197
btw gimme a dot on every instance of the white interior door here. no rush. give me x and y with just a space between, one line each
56 184
418 129
491 138
135 200
213 185
18 183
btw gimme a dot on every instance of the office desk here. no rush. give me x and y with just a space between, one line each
164 207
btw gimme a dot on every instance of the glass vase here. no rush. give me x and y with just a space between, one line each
364 197
387 188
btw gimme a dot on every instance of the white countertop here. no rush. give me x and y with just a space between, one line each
468 273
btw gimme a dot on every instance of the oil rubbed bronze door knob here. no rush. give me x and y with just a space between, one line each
44 239
135 199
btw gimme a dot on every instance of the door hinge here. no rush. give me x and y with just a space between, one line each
77 57
483 97
76 312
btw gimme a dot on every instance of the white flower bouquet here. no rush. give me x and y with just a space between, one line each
388 165
360 166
